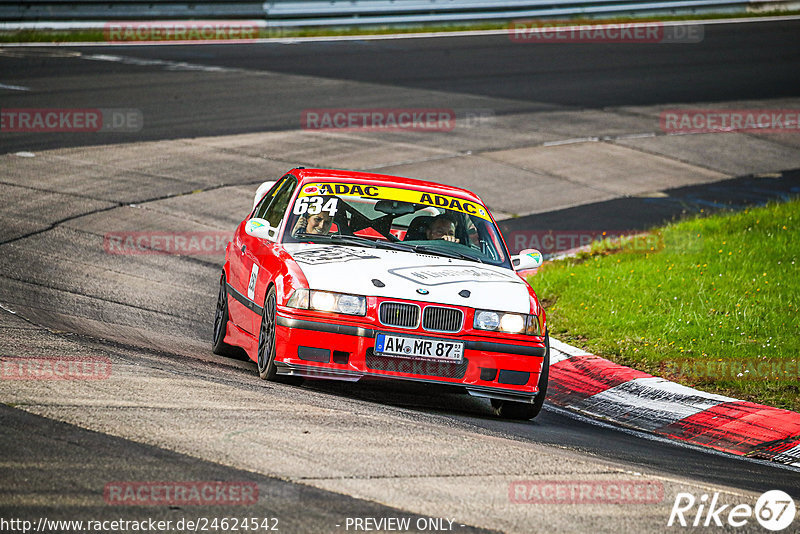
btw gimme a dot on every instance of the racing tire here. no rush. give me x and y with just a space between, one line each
218 345
267 348
525 410
266 338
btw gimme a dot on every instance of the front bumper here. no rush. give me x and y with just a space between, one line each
492 367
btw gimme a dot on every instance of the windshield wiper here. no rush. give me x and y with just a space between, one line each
447 253
311 237
337 239
372 243
353 240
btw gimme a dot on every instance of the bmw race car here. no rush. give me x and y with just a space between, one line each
346 275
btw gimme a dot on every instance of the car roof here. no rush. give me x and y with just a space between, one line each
315 175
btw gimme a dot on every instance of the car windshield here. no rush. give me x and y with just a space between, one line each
395 218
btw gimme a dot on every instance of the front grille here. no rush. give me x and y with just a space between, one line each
438 319
417 367
399 314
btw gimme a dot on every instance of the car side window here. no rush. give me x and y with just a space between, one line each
277 208
264 204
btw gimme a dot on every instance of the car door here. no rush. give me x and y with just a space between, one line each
242 266
259 260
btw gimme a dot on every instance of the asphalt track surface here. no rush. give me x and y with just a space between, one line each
54 468
730 64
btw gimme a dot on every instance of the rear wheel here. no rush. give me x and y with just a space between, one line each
524 410
218 345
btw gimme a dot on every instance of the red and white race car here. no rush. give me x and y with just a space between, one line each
345 275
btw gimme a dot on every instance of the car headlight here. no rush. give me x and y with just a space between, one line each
328 301
534 327
351 304
323 301
486 320
510 323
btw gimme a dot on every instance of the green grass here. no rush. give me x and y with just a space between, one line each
720 290
88 36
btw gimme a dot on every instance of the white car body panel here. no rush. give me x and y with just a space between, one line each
347 269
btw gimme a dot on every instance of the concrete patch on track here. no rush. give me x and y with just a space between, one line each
598 123
506 189
323 149
608 167
135 172
733 153
730 153
20 201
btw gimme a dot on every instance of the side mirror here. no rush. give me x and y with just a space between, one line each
261 229
527 259
262 190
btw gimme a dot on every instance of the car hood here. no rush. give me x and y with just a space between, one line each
410 276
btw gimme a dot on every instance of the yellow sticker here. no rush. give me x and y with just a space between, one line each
400 195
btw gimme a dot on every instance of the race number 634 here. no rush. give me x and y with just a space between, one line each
314 206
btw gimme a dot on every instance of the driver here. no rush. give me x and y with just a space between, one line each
317 224
442 227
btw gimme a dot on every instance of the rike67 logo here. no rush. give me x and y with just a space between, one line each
774 510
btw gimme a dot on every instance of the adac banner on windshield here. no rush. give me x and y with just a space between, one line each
397 194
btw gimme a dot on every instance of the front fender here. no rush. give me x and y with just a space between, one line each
280 270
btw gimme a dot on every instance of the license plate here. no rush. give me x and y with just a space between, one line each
419 348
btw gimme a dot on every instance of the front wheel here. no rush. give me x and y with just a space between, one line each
266 338
525 410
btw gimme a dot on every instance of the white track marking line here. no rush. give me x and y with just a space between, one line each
572 141
567 350
169 65
649 403
14 87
